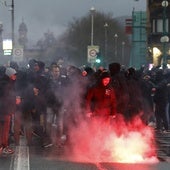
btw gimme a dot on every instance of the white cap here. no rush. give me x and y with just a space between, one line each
10 71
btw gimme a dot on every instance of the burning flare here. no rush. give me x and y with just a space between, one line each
96 140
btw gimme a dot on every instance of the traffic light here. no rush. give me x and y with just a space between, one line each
98 58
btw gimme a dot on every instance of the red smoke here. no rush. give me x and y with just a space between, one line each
95 140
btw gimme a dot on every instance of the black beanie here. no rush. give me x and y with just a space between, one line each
105 74
114 68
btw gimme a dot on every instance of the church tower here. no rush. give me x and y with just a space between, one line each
22 40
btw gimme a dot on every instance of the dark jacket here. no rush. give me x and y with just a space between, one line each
7 97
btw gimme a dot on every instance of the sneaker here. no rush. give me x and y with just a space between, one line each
7 150
63 139
35 134
165 131
48 145
152 124
21 132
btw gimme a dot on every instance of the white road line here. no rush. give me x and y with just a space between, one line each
21 156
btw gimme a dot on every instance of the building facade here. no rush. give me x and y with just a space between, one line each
158 30
139 39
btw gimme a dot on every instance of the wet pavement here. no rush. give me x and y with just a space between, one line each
37 158
5 162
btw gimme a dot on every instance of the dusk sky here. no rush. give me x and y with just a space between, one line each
54 15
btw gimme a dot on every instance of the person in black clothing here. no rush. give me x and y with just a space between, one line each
34 102
119 83
20 86
135 105
54 100
161 101
73 97
147 86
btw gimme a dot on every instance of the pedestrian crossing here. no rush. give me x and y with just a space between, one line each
21 156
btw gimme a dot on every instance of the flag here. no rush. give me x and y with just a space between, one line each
128 27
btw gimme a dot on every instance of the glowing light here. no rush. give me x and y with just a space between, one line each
99 141
7 44
156 52
151 66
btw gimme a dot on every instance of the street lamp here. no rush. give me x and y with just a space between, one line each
12 18
92 10
115 37
105 33
1 29
123 51
12 21
164 39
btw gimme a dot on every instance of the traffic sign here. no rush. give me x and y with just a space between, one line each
92 53
18 54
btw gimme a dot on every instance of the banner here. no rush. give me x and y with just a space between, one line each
128 27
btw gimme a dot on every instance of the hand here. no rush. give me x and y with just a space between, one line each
18 100
89 114
113 116
153 89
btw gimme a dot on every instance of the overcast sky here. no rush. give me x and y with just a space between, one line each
54 15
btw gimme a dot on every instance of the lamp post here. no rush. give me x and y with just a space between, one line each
1 29
12 21
105 33
123 51
11 8
92 10
115 37
164 38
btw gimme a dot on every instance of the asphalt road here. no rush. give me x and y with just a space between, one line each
53 158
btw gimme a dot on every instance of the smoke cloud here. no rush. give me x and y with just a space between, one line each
113 141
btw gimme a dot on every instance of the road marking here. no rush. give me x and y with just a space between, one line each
21 156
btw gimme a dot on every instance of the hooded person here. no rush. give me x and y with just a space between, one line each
119 83
14 65
2 72
11 73
31 63
101 99
160 99
114 68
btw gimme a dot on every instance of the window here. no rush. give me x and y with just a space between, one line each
157 26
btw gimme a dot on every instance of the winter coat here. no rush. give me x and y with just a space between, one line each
101 100
7 97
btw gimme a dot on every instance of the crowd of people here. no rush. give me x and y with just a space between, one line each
48 101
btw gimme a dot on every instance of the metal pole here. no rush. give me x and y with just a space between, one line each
105 29
123 51
92 10
92 22
1 29
116 36
12 22
164 4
